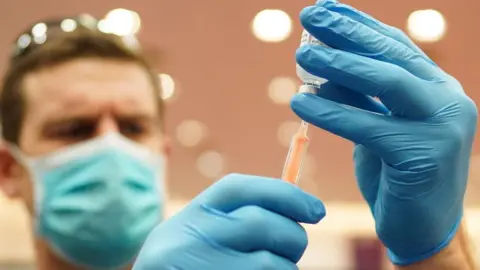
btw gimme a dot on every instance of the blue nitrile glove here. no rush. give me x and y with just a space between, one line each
412 152
242 222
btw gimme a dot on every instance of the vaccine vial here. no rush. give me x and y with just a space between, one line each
310 82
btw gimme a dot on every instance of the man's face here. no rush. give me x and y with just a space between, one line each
83 99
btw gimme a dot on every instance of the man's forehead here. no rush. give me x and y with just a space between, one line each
89 84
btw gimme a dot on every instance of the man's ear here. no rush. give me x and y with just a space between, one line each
9 173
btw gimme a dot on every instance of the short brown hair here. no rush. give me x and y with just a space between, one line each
65 47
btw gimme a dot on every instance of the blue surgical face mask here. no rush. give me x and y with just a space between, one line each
97 201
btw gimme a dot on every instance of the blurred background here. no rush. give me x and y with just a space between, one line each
228 73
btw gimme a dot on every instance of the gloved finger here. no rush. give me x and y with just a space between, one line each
349 97
342 32
236 190
263 260
358 126
368 167
402 93
367 164
252 228
373 23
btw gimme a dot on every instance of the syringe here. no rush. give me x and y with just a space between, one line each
299 145
296 155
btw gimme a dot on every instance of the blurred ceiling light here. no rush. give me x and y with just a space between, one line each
131 41
272 25
211 164
88 21
104 27
121 22
68 25
40 39
168 86
286 131
24 40
282 89
191 132
426 25
39 29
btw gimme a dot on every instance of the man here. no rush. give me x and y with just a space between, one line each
411 156
82 119
411 159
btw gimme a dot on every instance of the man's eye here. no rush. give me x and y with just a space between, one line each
76 130
131 128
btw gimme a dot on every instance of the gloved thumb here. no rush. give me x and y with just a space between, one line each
356 125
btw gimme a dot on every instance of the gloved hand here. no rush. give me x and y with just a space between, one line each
412 150
242 222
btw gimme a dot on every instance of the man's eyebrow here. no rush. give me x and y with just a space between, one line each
68 119
136 116
145 119
65 119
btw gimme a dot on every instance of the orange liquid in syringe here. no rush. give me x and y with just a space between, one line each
296 155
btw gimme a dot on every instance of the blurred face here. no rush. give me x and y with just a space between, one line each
82 99
77 103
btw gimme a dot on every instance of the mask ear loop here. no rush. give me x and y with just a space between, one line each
28 165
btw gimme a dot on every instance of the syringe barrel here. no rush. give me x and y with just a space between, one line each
296 155
307 78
